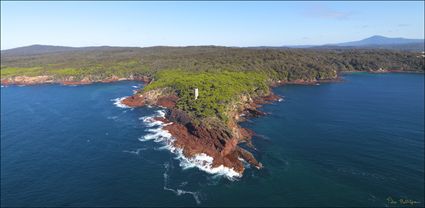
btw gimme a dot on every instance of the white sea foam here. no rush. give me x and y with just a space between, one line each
184 183
135 86
157 135
200 161
117 102
178 192
204 162
136 152
280 100
161 113
149 121
245 163
112 117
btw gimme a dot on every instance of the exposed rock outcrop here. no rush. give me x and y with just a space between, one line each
194 136
163 97
27 80
134 101
216 142
70 80
209 136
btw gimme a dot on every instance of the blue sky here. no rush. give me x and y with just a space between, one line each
205 23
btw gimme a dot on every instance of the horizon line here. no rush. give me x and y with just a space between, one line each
201 45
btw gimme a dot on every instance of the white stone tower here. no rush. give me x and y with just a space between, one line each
196 93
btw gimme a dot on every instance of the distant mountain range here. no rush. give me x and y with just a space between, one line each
374 42
379 42
45 49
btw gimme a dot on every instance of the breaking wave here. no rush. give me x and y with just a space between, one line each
117 102
202 161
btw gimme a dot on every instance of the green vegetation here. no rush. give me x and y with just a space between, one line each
216 90
221 74
36 71
282 64
12 71
94 71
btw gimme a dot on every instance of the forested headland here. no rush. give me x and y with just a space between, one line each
232 83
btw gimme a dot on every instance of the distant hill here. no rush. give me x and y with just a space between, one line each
36 49
46 49
413 47
374 42
380 40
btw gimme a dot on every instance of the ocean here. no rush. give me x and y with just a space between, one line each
358 142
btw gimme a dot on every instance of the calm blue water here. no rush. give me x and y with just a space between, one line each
353 143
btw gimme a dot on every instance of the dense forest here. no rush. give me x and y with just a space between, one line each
216 90
277 64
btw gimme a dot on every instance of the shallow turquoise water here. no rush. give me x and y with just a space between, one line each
353 143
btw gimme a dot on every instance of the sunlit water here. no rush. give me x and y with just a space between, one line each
352 143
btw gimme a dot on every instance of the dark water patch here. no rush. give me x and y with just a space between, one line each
352 143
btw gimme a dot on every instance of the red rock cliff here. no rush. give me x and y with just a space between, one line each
210 136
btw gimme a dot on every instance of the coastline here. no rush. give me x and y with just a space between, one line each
307 82
202 141
383 72
140 157
218 145
45 79
212 143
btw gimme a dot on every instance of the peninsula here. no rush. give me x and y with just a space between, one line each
231 83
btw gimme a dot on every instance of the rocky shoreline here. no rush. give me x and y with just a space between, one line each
47 79
210 137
